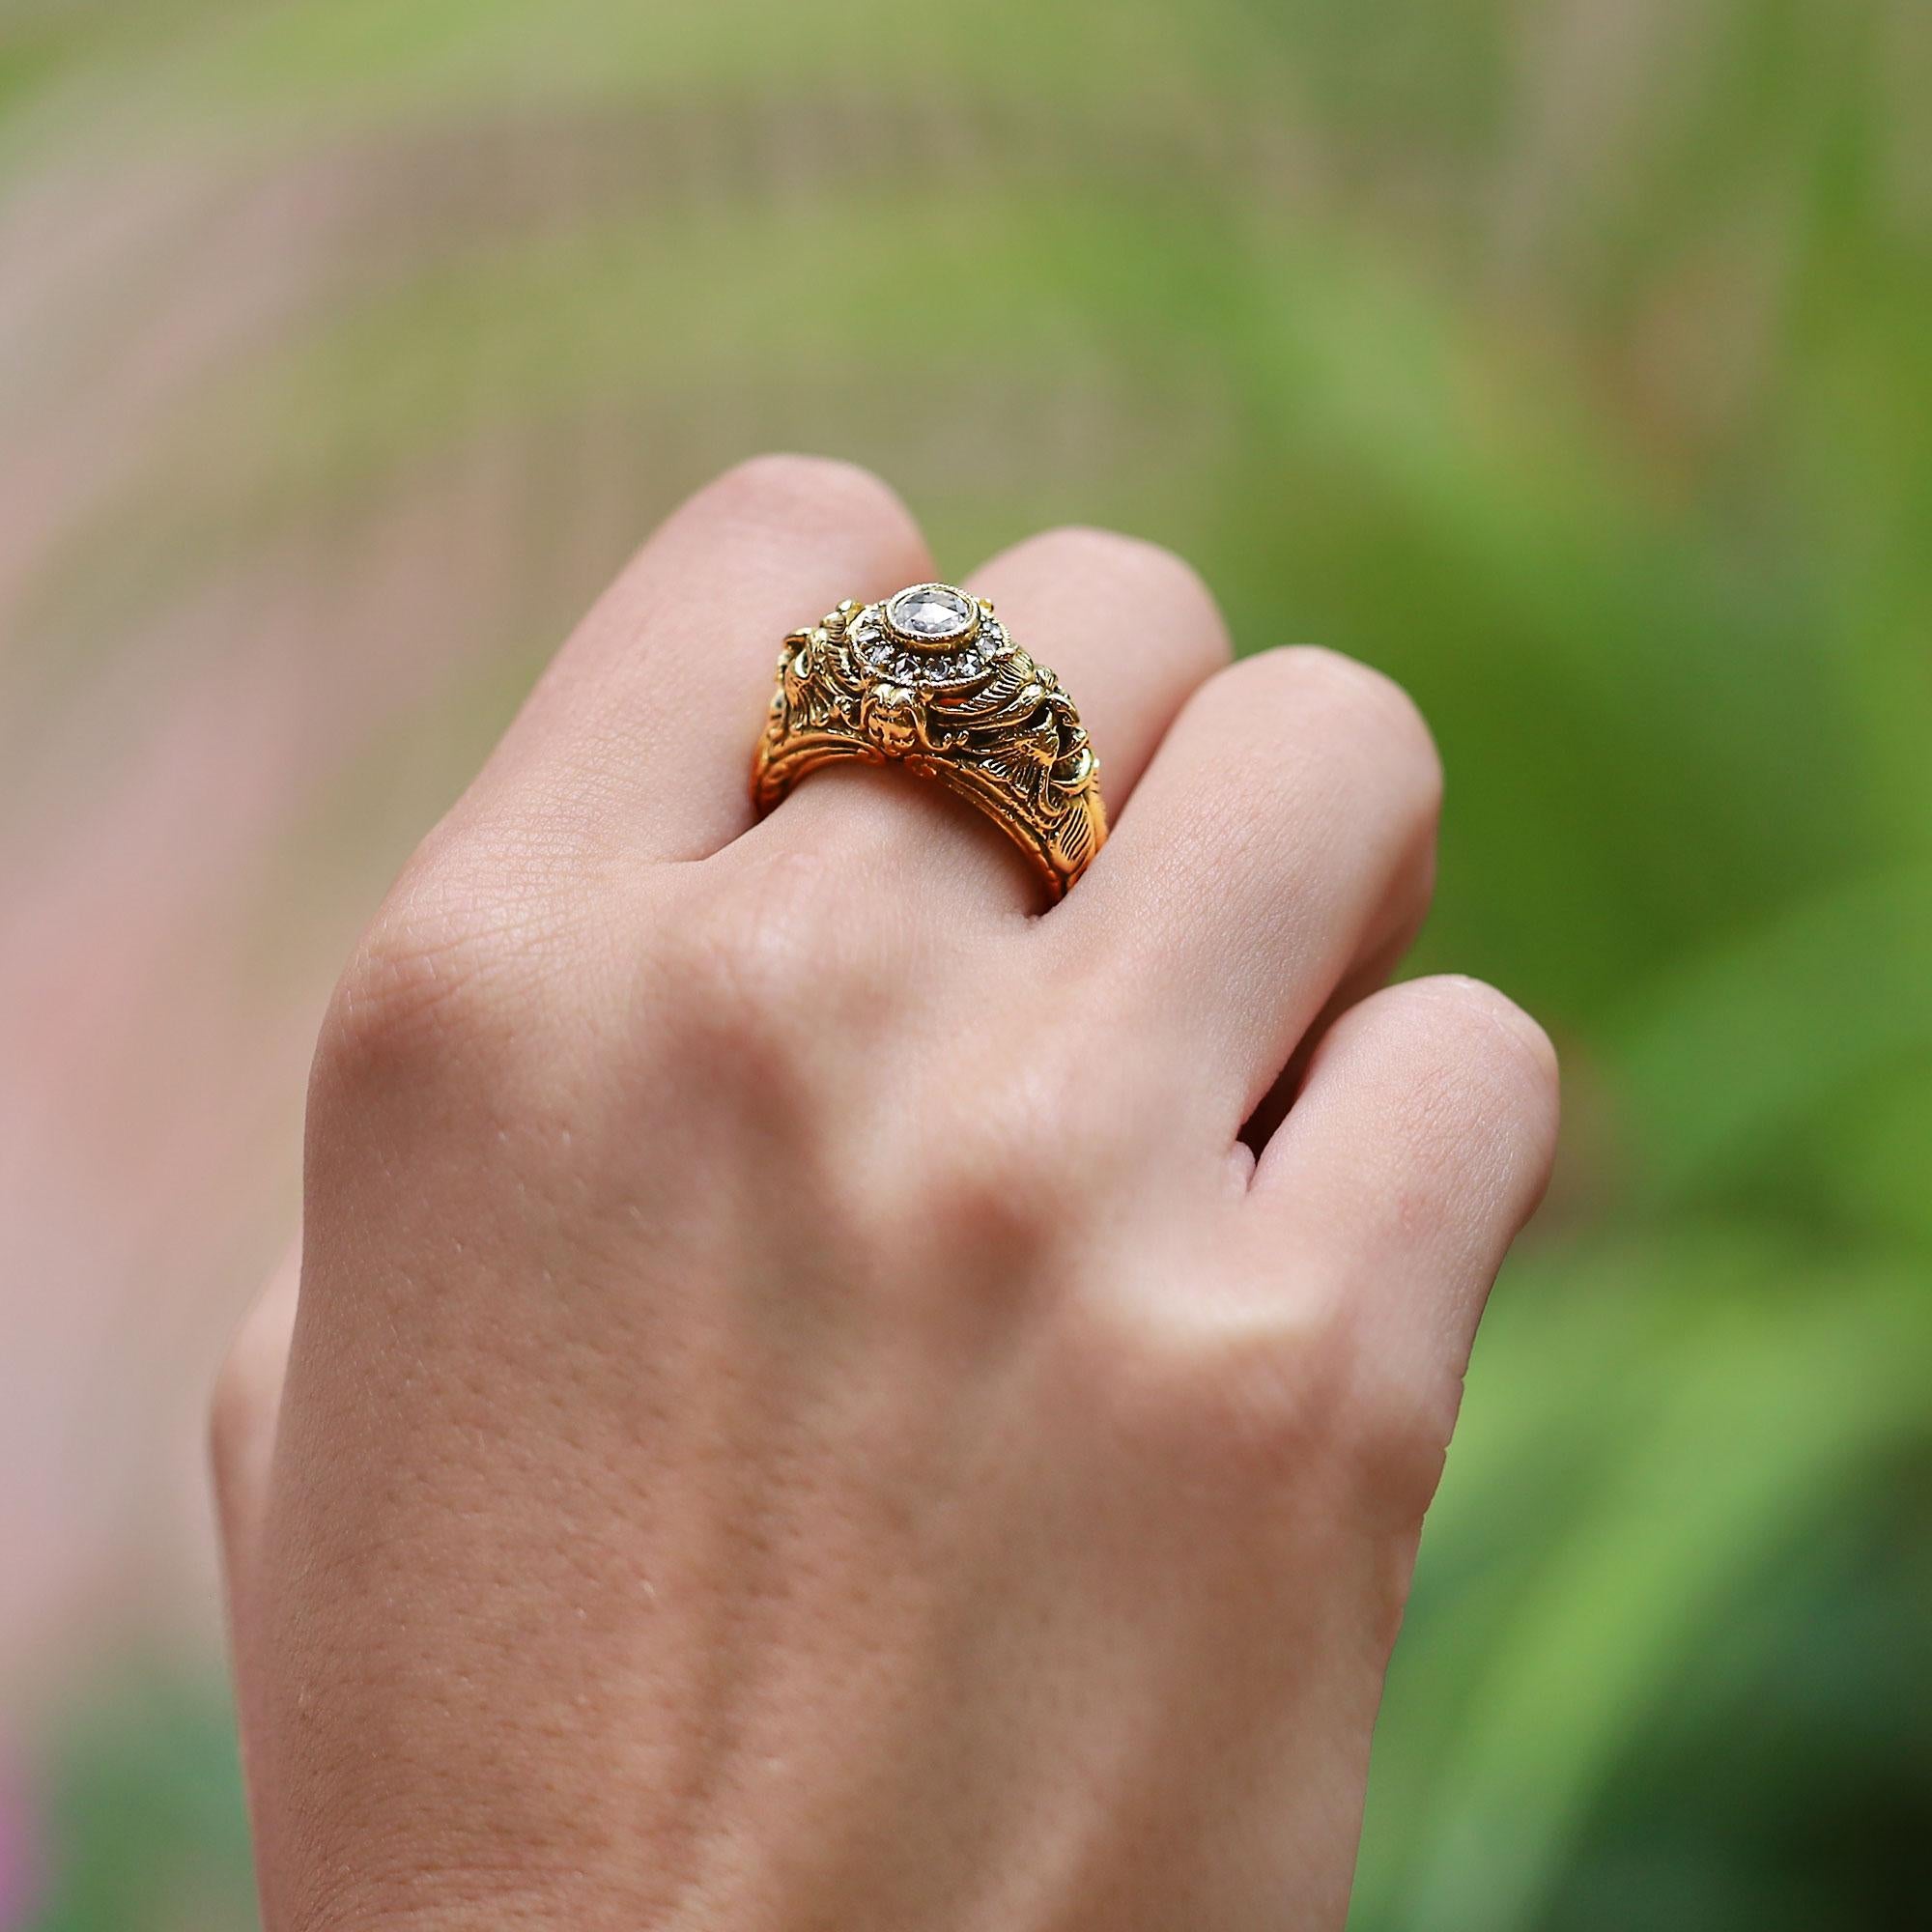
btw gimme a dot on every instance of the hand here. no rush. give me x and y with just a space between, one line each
804 1410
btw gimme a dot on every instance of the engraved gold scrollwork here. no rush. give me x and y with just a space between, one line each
991 725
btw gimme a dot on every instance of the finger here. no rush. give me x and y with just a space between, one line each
1419 1143
1381 948
639 738
242 1438
1283 834
1128 628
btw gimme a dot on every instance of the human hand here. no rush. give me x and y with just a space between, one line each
804 1409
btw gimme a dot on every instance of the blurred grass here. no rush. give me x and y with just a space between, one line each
149 1822
1570 362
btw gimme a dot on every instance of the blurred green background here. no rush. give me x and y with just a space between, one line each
1573 361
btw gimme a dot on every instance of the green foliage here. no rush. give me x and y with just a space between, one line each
143 1802
1573 364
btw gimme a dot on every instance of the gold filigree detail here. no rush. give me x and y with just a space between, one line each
975 712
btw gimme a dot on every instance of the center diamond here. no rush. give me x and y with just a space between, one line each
932 614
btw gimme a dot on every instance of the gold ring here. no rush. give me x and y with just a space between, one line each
930 677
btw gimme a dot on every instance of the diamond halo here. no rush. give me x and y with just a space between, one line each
929 636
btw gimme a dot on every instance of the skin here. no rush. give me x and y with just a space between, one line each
804 1410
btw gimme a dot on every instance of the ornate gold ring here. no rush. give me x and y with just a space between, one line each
930 677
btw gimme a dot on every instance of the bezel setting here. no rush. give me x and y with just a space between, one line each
929 662
948 597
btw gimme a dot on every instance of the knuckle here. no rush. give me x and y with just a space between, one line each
1286 1395
1287 1391
1353 704
1243 1400
756 970
444 969
407 990
805 493
1000 1165
1164 584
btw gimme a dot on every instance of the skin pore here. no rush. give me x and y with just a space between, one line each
804 1408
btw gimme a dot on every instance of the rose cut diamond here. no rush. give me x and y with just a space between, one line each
930 612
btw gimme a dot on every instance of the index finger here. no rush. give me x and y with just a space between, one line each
638 737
